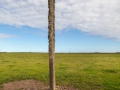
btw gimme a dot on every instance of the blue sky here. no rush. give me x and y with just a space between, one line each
81 25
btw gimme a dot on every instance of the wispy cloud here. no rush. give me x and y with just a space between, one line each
97 17
5 35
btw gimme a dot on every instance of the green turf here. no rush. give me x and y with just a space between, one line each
84 71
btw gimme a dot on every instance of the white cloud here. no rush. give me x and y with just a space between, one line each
98 17
31 13
5 35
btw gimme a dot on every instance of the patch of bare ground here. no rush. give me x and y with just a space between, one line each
31 85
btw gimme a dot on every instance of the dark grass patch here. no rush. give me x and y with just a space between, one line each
11 65
5 61
110 71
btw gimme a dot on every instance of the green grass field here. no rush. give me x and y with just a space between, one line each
83 71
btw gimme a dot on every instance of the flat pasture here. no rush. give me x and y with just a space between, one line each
92 71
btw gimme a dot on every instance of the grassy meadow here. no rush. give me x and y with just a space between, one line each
83 71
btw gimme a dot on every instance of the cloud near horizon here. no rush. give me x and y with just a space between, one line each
5 35
96 17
